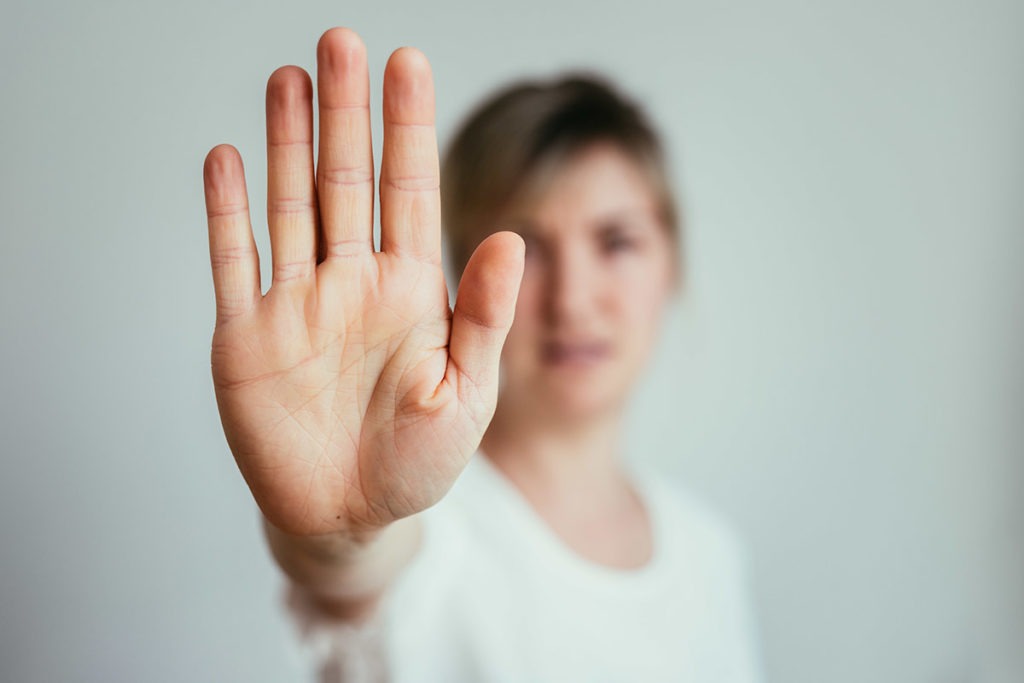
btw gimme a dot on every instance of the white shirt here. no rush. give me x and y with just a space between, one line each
494 595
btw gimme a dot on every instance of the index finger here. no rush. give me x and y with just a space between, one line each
410 199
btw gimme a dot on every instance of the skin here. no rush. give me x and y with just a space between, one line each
599 273
600 270
350 394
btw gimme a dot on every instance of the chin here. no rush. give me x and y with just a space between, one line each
579 412
567 392
579 399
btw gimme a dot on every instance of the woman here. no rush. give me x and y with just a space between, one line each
354 399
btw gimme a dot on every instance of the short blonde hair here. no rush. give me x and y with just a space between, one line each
506 150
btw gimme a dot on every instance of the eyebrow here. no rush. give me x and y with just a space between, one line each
525 226
521 225
627 214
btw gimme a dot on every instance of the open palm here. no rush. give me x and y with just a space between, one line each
350 394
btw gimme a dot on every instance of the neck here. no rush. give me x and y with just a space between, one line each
570 473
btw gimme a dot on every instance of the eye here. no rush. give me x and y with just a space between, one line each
534 247
616 240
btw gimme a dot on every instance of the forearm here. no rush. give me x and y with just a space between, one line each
346 575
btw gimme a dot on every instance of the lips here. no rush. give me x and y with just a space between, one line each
577 353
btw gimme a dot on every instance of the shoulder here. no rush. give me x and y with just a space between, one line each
692 520
708 542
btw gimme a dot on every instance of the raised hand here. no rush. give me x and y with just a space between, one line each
350 394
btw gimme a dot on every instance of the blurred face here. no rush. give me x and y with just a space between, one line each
599 272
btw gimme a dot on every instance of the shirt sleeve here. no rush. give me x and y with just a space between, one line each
746 660
734 648
337 651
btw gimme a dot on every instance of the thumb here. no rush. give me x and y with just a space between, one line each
484 308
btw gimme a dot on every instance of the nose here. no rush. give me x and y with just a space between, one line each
572 286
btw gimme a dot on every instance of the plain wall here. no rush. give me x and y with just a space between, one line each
843 376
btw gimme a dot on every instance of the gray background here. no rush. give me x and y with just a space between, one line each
843 378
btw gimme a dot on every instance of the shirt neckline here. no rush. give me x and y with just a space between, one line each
568 559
